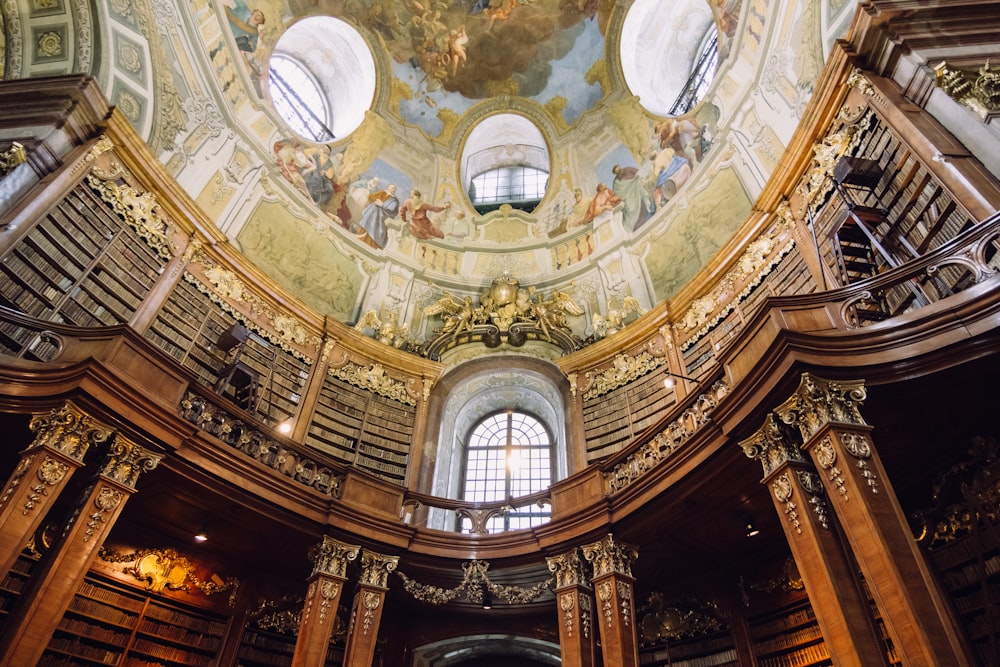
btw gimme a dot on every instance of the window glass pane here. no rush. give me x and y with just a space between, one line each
297 98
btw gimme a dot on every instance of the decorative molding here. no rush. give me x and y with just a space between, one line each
165 569
758 259
375 569
140 210
666 442
15 478
12 158
624 369
978 91
774 445
818 402
374 379
826 458
126 461
107 499
50 472
260 446
474 581
69 431
609 557
812 485
782 489
332 556
858 446
569 569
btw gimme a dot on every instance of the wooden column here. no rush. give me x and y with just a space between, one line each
366 613
842 612
915 611
62 438
574 604
612 563
326 584
49 592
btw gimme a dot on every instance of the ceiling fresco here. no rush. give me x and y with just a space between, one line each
379 219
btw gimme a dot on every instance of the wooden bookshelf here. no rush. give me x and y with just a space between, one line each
716 650
188 327
261 648
789 638
13 584
610 421
107 624
81 264
969 568
363 429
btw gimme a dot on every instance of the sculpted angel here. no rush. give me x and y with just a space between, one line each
458 315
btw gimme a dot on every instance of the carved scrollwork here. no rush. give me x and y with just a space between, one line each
374 378
978 91
163 569
624 369
818 402
126 461
475 581
375 568
782 488
332 556
68 430
607 556
773 445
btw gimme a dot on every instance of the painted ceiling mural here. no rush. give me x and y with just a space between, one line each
380 219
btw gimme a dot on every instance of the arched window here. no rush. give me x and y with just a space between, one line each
701 76
521 187
508 455
297 97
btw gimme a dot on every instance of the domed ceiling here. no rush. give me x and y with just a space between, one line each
422 95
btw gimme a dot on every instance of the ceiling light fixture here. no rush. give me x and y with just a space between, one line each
201 536
752 530
668 381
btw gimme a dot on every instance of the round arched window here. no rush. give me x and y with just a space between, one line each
508 455
505 161
322 78
669 53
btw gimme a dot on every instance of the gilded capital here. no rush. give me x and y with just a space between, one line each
68 430
818 402
568 569
332 556
126 461
610 557
774 444
375 569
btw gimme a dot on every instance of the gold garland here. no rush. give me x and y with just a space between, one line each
475 582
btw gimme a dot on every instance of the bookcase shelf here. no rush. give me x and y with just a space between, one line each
715 650
107 624
969 569
80 265
261 648
611 420
789 638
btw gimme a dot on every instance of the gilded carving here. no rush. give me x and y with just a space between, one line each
370 602
140 210
11 158
374 378
307 609
624 369
165 569
979 91
126 461
107 499
666 442
15 479
474 581
857 445
609 557
773 445
585 615
375 569
568 569
604 594
68 430
50 472
812 485
782 488
567 605
332 556
625 602
755 263
328 593
826 458
857 80
259 446
818 402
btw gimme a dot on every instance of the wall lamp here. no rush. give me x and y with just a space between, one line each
669 383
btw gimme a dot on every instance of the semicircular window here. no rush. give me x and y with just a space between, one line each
670 51
505 161
322 78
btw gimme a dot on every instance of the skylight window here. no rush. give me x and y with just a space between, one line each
522 187
298 99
